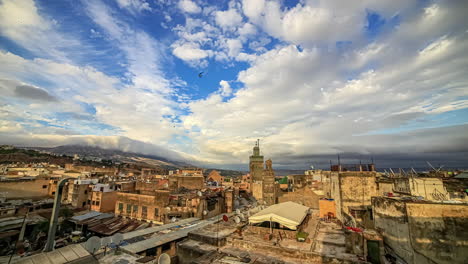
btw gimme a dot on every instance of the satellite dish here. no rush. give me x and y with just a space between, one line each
93 244
237 219
242 217
238 211
199 193
173 219
117 238
105 241
164 258
205 212
168 209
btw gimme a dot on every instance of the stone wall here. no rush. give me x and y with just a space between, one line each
258 230
307 256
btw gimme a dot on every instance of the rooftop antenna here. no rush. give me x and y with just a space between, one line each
339 162
430 165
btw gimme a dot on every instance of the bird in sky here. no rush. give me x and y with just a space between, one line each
200 74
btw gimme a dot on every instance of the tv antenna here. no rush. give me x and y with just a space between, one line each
436 170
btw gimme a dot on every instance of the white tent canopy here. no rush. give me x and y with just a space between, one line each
289 214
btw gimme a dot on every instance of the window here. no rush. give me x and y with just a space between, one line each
86 192
53 193
44 186
120 207
129 208
97 203
94 202
156 212
135 208
144 209
102 189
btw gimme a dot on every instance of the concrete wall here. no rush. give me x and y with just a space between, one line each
25 189
335 193
423 232
439 231
326 207
391 220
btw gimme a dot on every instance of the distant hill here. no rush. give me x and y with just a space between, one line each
100 154
226 173
9 154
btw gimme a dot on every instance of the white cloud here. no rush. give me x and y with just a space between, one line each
188 52
300 101
21 22
303 97
312 22
189 6
234 47
228 19
247 30
134 6
225 89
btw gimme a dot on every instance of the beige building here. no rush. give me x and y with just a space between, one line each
142 206
35 188
189 182
214 176
78 192
352 192
429 188
103 197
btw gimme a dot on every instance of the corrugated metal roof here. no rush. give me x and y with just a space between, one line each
85 216
158 240
155 229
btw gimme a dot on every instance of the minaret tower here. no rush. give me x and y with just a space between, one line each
256 163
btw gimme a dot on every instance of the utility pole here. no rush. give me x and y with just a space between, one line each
54 218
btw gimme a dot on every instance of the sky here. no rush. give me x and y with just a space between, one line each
201 81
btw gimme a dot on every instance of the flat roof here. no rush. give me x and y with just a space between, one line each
62 255
158 240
